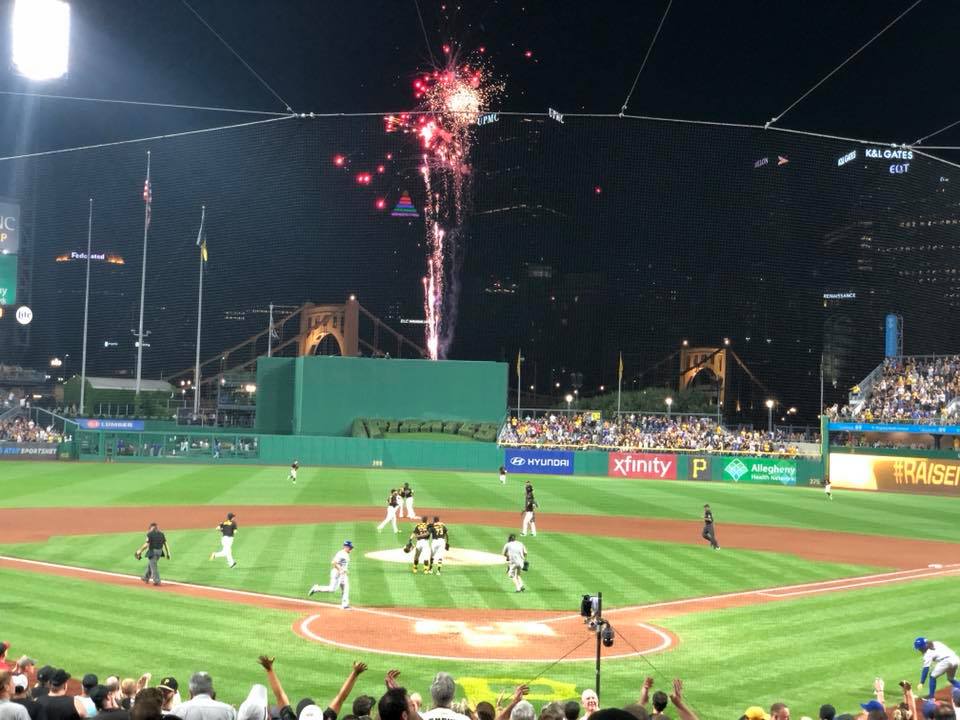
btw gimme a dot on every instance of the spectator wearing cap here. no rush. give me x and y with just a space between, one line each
88 683
106 704
21 696
27 667
203 704
10 710
779 711
43 681
57 704
874 710
170 690
754 712
442 690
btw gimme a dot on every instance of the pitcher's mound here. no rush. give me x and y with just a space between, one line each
453 556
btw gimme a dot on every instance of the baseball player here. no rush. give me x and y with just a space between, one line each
943 660
421 539
406 500
294 466
516 556
156 547
828 489
439 544
393 502
708 534
503 475
228 528
529 516
339 576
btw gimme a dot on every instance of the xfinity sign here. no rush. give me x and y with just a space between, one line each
539 462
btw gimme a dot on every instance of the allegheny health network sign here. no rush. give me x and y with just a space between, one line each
755 470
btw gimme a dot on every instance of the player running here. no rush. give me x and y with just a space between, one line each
393 502
420 537
516 556
529 516
339 576
828 489
708 533
228 529
294 466
503 475
439 544
943 660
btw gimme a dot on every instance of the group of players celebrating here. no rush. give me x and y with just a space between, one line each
429 540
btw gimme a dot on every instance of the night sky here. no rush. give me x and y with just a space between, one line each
686 238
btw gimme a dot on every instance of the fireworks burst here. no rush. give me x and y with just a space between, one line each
451 100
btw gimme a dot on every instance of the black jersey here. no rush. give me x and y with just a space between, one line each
156 540
421 531
530 504
406 492
707 517
392 500
228 527
439 531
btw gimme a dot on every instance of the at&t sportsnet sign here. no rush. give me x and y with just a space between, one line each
642 465
28 451
539 462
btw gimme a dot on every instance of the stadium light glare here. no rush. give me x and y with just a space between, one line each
41 38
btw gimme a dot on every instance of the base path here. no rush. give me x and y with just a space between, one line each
37 524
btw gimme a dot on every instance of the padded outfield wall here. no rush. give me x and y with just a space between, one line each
324 395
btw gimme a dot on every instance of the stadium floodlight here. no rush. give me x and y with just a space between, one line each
41 38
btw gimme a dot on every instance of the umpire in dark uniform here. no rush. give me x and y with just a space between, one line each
708 534
156 547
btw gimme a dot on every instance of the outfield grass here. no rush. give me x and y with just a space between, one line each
822 649
287 559
94 484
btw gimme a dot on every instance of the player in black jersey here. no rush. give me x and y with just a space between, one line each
421 539
439 544
529 515
708 533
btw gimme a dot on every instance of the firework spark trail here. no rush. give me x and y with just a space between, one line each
454 97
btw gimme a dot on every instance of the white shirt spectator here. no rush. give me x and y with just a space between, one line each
443 714
204 707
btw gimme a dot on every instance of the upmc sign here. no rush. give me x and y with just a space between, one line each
642 465
9 249
539 462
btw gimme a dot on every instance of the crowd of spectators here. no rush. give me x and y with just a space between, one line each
914 390
49 693
23 430
644 432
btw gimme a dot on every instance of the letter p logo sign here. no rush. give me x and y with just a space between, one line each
697 467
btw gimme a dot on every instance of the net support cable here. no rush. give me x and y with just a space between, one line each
142 103
943 129
646 57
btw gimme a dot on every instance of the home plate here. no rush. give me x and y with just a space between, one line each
453 556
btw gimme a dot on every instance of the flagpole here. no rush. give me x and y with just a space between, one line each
270 334
196 368
619 384
86 308
518 385
143 280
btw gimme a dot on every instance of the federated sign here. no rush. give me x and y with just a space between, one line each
539 462
106 424
8 279
27 451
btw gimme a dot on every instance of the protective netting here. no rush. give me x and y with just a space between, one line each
581 240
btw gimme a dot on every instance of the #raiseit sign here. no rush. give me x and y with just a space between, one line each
933 476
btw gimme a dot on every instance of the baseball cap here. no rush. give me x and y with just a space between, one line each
89 681
920 643
20 682
929 709
827 712
755 712
304 703
59 677
230 516
347 543
169 683
311 712
956 696
872 705
45 673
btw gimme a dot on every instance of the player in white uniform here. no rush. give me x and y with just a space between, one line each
828 489
503 475
293 471
938 659
516 557
393 502
339 576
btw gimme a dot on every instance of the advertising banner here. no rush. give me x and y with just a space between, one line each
754 470
8 279
932 476
28 451
107 424
895 427
642 465
539 462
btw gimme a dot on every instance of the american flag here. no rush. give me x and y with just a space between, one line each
147 197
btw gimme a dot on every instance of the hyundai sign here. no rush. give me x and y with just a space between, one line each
539 462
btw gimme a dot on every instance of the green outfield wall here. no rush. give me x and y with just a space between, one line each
324 395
